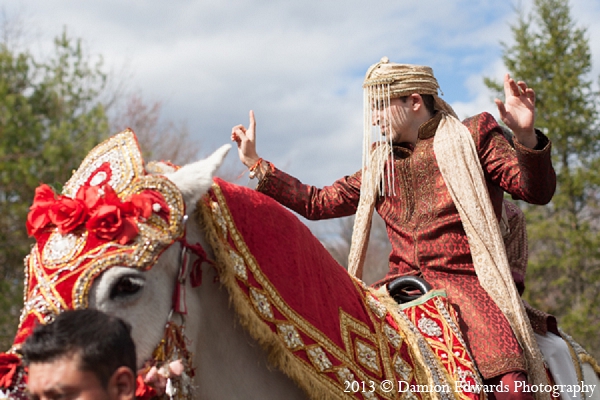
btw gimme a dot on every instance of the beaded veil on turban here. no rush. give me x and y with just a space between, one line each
384 81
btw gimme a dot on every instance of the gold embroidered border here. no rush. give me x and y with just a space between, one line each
351 325
264 336
422 367
315 384
425 180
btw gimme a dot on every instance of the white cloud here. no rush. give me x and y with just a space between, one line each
480 97
298 64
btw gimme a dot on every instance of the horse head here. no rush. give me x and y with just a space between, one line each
109 240
123 237
146 298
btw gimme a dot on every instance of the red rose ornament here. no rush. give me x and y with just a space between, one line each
67 214
38 217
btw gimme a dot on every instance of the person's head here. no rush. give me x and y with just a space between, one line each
399 98
402 116
82 354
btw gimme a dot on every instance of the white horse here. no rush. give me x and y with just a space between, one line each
229 364
250 317
222 366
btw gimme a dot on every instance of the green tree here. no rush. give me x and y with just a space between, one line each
552 55
50 116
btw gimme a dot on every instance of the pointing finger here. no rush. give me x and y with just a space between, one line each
507 90
252 126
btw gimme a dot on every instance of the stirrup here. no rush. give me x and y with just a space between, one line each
400 287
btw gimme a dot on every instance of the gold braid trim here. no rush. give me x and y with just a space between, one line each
586 358
278 354
575 358
579 352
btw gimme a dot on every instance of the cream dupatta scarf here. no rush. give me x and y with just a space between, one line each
460 167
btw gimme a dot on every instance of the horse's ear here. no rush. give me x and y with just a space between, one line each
194 180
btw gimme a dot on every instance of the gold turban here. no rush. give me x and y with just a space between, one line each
403 79
386 80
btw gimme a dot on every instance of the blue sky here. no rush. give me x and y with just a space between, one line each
298 64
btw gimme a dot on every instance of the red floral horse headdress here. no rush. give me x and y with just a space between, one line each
111 212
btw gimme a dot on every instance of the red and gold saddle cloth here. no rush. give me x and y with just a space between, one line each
329 332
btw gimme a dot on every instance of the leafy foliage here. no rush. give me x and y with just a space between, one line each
50 116
553 56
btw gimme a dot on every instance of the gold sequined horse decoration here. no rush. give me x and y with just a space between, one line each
228 293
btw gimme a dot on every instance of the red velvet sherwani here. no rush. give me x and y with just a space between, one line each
425 229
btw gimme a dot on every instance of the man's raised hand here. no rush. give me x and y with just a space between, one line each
518 111
246 141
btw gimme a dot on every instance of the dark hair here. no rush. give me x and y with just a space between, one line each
428 100
103 342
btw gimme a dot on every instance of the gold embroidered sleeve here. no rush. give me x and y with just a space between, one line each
338 200
525 173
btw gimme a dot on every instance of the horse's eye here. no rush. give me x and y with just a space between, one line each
126 286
